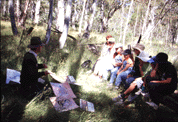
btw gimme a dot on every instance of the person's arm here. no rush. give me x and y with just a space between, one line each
122 70
168 80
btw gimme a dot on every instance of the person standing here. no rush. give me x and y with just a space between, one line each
29 73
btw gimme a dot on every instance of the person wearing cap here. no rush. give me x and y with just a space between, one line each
106 58
166 84
125 68
137 84
115 62
29 73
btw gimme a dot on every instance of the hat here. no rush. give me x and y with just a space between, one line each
152 60
161 58
118 45
144 56
139 47
111 40
127 52
35 42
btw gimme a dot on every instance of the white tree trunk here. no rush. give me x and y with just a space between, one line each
126 24
146 16
50 18
93 14
86 16
81 19
136 20
122 19
17 12
74 16
4 8
23 18
37 12
63 37
60 15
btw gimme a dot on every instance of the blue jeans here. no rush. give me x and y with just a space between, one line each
113 74
122 77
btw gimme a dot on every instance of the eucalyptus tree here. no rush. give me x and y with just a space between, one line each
13 25
50 18
107 10
63 37
23 15
37 11
60 15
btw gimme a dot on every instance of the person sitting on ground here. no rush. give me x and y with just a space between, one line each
29 73
105 59
114 63
137 71
166 84
134 86
125 68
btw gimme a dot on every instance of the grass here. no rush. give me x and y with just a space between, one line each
68 62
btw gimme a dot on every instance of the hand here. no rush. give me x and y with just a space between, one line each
45 66
129 75
46 72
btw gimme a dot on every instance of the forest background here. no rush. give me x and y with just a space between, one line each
74 32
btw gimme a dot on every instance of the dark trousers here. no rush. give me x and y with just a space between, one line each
30 90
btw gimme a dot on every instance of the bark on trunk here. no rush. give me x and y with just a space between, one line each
126 24
17 10
146 16
122 19
74 16
37 11
13 25
24 14
50 18
81 19
136 20
60 15
63 37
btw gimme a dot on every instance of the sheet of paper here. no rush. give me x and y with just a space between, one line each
12 75
62 105
87 106
62 90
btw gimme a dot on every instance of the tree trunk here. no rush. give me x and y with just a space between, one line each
74 16
13 25
17 10
37 11
93 14
81 19
126 24
63 37
86 16
24 14
146 16
4 13
50 18
122 19
136 20
60 15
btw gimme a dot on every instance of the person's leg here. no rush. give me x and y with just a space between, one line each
106 68
119 78
113 74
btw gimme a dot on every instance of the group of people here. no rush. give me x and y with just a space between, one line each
153 76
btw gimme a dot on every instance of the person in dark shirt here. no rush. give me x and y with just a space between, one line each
29 73
166 84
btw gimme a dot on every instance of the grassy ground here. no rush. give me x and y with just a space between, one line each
68 62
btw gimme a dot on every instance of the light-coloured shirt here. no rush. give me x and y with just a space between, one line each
31 51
